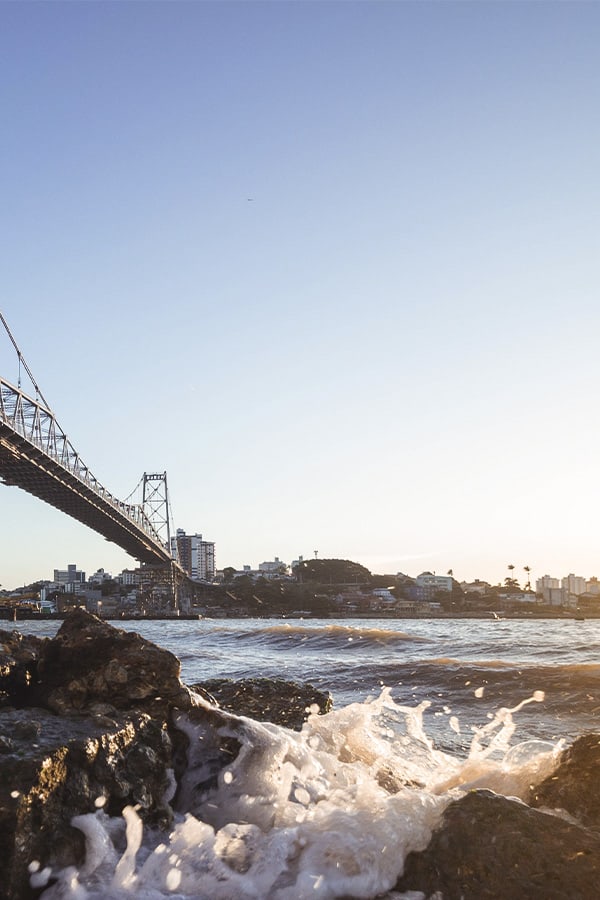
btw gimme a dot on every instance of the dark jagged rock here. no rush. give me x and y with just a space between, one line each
267 699
92 666
491 848
96 726
117 721
575 785
56 768
18 657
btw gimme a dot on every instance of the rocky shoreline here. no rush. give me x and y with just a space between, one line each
88 719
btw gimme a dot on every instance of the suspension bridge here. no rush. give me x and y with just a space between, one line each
37 456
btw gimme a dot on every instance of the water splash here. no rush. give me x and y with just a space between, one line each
328 812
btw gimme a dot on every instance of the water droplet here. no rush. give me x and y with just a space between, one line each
173 879
302 796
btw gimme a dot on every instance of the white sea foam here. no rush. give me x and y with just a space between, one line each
329 812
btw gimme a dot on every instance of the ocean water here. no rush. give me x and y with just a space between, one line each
423 710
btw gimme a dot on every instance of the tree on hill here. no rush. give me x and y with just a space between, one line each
332 571
108 587
243 587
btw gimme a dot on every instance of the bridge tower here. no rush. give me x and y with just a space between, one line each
156 506
155 502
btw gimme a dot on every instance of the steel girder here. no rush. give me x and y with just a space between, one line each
36 455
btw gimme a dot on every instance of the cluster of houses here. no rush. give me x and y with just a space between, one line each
100 592
569 592
427 593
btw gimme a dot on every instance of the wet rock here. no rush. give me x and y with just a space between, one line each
90 662
210 740
267 699
18 657
93 722
117 722
491 848
56 768
574 786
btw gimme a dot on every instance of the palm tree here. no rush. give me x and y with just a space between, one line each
528 570
510 582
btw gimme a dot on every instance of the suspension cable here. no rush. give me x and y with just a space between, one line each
134 490
21 359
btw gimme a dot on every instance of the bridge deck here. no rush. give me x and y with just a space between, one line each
25 465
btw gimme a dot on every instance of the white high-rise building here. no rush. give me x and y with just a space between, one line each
592 586
574 585
548 588
71 577
196 557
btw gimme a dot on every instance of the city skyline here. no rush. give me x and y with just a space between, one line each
331 266
521 575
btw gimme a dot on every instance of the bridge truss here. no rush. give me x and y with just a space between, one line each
37 456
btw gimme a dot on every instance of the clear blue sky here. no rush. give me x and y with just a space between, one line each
333 266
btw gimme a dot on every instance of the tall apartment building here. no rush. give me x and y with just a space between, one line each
592 586
574 585
549 588
563 593
71 578
196 557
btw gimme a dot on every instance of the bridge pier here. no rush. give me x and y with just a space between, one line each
158 588
166 589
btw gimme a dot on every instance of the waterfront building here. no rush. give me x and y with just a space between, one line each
196 556
475 587
70 579
384 594
592 587
549 587
523 597
427 585
573 585
554 596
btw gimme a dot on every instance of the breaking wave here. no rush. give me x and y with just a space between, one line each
329 812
